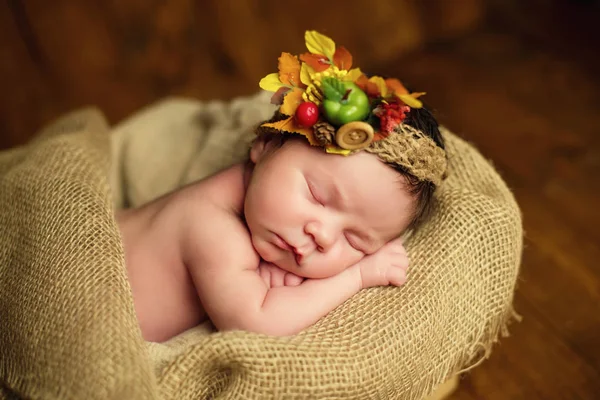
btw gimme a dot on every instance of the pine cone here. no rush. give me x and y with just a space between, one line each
324 132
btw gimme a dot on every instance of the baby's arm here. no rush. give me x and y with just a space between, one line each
292 309
239 298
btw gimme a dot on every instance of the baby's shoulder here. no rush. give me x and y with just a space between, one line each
220 241
223 190
217 233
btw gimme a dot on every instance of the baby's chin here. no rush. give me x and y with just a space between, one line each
289 265
309 270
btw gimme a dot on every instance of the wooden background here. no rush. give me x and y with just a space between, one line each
518 79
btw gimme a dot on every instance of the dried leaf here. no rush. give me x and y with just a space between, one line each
353 75
410 101
291 101
289 70
271 82
379 136
305 72
317 62
381 86
317 43
372 90
396 86
342 58
289 125
337 150
368 86
362 82
277 97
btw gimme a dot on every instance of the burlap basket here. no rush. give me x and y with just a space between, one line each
67 323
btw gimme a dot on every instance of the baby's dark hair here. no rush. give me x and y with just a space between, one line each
422 191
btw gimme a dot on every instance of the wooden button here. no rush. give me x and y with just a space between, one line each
354 135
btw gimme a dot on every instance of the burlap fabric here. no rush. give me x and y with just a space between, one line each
68 329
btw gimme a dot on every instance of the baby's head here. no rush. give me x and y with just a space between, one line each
346 165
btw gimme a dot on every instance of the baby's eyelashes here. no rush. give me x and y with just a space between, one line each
361 242
354 243
314 193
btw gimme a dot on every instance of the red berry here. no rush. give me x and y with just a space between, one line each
307 114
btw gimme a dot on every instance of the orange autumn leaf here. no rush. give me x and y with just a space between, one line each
362 81
289 70
396 86
367 86
317 62
342 58
382 88
372 89
289 125
410 99
380 136
291 101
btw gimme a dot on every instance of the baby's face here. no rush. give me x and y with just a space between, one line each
315 214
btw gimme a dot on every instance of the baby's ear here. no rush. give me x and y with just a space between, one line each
261 146
258 148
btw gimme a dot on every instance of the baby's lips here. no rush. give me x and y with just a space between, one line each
303 251
282 244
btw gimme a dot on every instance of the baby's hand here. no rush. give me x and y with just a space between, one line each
274 276
385 267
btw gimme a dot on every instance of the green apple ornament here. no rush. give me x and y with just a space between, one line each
344 101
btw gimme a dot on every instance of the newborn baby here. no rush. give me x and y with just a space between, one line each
314 216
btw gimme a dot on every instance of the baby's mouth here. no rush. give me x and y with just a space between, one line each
299 254
282 244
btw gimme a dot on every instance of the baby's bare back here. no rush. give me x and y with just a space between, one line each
165 299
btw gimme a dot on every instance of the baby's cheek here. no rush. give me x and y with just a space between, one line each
344 258
263 249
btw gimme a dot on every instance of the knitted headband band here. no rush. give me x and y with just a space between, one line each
343 111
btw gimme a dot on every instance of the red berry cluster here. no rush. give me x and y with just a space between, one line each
390 115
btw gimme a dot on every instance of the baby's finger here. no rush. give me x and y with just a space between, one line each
396 276
396 246
277 279
292 280
402 261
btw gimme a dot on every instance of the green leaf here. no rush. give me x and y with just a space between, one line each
333 89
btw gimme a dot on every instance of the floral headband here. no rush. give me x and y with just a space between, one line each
341 110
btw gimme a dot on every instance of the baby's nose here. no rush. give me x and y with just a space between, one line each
323 235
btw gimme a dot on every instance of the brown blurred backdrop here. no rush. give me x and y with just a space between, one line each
122 55
517 78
